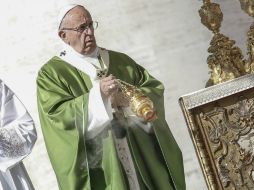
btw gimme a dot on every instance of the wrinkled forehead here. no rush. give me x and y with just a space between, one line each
77 15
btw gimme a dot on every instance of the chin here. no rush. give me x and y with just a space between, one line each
89 50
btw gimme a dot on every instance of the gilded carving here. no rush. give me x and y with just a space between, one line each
250 50
211 16
248 6
225 60
221 125
224 128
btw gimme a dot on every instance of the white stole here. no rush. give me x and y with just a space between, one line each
99 109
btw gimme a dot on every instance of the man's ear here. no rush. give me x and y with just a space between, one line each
62 35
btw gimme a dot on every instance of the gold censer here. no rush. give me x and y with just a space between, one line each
140 104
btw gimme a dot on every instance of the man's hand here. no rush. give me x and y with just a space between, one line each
118 99
108 86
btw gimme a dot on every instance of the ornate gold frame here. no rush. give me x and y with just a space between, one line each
220 120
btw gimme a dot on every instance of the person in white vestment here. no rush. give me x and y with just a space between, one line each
17 138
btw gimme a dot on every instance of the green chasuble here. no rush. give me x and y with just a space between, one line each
63 93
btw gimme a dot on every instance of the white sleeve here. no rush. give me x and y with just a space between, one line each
17 130
99 112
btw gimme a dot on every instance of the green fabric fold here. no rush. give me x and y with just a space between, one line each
63 93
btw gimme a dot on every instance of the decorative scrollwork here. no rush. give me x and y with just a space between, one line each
226 129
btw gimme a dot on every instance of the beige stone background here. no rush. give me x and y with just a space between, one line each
165 36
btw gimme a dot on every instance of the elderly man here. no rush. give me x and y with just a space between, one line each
17 138
89 147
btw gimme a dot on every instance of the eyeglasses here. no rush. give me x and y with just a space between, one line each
83 27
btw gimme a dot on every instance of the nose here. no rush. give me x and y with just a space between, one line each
89 31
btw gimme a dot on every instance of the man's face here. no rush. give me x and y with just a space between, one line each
82 41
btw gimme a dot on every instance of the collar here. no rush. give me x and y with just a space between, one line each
82 62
